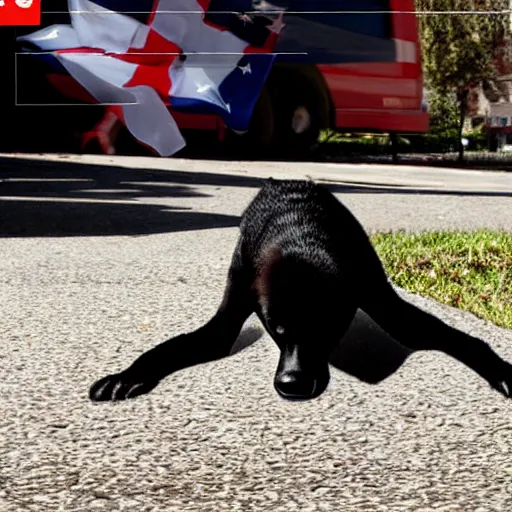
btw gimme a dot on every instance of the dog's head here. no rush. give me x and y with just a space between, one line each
300 304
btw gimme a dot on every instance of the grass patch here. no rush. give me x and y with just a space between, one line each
471 271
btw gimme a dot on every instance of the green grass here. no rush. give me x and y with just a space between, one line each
471 271
363 139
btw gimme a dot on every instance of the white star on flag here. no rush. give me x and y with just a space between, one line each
245 69
203 87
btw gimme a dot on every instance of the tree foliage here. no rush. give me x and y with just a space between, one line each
444 114
460 41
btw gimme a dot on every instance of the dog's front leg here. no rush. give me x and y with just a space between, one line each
419 330
212 341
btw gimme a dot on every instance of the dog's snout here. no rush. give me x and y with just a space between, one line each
296 386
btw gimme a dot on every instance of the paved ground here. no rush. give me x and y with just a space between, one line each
83 293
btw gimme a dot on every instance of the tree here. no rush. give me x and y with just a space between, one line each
460 41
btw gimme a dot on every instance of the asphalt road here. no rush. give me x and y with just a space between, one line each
100 262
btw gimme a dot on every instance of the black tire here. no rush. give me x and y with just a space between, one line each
257 141
301 111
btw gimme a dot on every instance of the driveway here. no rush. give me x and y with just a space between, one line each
101 258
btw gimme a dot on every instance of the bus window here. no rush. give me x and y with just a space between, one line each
371 18
327 32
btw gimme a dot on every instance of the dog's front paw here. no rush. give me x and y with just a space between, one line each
120 386
502 381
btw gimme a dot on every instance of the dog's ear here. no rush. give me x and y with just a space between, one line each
269 258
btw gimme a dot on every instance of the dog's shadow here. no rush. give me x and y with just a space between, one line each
365 352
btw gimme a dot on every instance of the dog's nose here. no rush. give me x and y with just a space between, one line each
296 386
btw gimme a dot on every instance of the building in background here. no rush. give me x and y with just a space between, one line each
495 104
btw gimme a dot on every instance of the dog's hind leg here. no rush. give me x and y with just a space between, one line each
419 330
212 341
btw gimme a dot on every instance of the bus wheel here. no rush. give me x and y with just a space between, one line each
300 115
257 140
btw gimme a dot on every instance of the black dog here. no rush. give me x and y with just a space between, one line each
304 264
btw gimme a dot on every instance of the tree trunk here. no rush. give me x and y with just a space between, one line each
463 106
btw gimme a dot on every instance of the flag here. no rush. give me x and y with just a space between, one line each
146 56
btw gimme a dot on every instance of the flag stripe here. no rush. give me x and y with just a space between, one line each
153 69
120 61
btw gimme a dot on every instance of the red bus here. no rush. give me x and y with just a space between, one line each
349 65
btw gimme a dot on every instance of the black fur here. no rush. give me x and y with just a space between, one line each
304 264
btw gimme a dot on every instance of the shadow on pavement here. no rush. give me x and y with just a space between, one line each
55 218
367 352
62 198
45 199
64 179
29 177
378 188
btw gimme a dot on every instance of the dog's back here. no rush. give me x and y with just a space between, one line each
302 218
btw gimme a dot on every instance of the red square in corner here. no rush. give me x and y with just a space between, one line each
20 12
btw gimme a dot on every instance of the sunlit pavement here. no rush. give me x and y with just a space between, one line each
101 258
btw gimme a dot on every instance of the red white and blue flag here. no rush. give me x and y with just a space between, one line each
200 56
